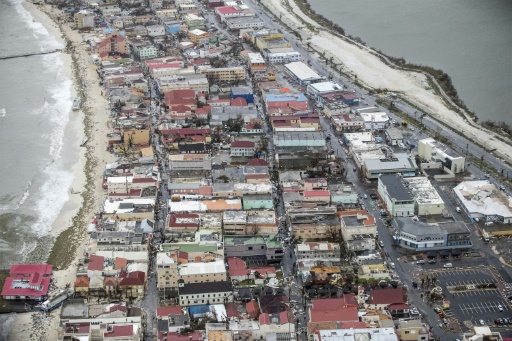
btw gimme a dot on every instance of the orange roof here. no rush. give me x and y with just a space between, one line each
120 263
82 282
285 90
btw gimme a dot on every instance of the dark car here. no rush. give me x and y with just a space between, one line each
432 261
373 195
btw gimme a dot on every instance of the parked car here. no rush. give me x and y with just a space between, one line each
381 243
420 262
500 307
457 209
482 322
448 265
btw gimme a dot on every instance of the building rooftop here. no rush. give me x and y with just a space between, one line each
423 191
269 240
325 86
395 187
302 71
399 161
484 198
199 288
190 269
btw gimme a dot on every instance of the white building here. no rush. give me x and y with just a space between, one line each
483 200
320 88
426 198
433 151
355 334
156 30
312 251
397 197
302 73
205 293
237 23
375 120
282 55
242 148
181 162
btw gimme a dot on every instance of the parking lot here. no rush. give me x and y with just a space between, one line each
471 306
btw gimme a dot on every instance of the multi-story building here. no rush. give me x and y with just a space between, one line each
225 74
434 152
262 247
198 36
357 222
194 21
242 148
311 251
113 43
237 23
205 293
282 55
412 330
181 162
84 19
145 51
398 198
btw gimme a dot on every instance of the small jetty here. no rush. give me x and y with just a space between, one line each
84 142
77 103
29 54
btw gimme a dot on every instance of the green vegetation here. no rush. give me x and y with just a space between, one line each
5 305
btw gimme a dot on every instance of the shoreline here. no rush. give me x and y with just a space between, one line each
368 68
86 194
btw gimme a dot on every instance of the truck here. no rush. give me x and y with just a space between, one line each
404 123
56 301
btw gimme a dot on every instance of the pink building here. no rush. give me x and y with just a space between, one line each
113 43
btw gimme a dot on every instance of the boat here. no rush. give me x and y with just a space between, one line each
56 301
84 142
77 103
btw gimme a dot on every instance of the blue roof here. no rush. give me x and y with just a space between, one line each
199 309
298 97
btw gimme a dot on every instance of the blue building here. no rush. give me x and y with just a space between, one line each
244 92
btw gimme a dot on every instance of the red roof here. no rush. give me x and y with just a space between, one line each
319 193
327 303
242 144
232 310
353 325
239 102
341 314
165 66
27 269
227 10
176 216
252 309
143 180
256 176
257 162
96 263
194 336
10 288
387 296
166 311
35 279
109 282
120 263
133 278
119 331
82 282
398 306
235 263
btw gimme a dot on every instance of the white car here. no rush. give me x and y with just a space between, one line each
448 265
482 322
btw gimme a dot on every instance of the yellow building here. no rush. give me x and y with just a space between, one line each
270 41
225 74
84 19
136 136
198 36
412 330
220 335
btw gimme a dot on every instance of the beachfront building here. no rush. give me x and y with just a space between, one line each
282 55
84 19
302 73
27 282
129 209
238 23
266 39
434 152
114 43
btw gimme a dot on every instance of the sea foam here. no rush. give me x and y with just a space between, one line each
56 175
45 39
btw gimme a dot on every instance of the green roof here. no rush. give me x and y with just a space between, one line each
194 247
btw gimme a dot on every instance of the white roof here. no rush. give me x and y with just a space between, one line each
190 269
119 179
163 258
326 86
197 32
187 206
112 205
302 71
255 58
373 334
377 117
483 198
423 191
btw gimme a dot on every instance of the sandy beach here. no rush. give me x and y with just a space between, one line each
86 192
374 73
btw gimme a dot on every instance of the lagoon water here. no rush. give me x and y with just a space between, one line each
37 158
471 40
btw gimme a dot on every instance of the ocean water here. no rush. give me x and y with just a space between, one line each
470 40
36 146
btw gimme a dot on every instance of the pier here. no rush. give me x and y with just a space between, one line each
21 55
